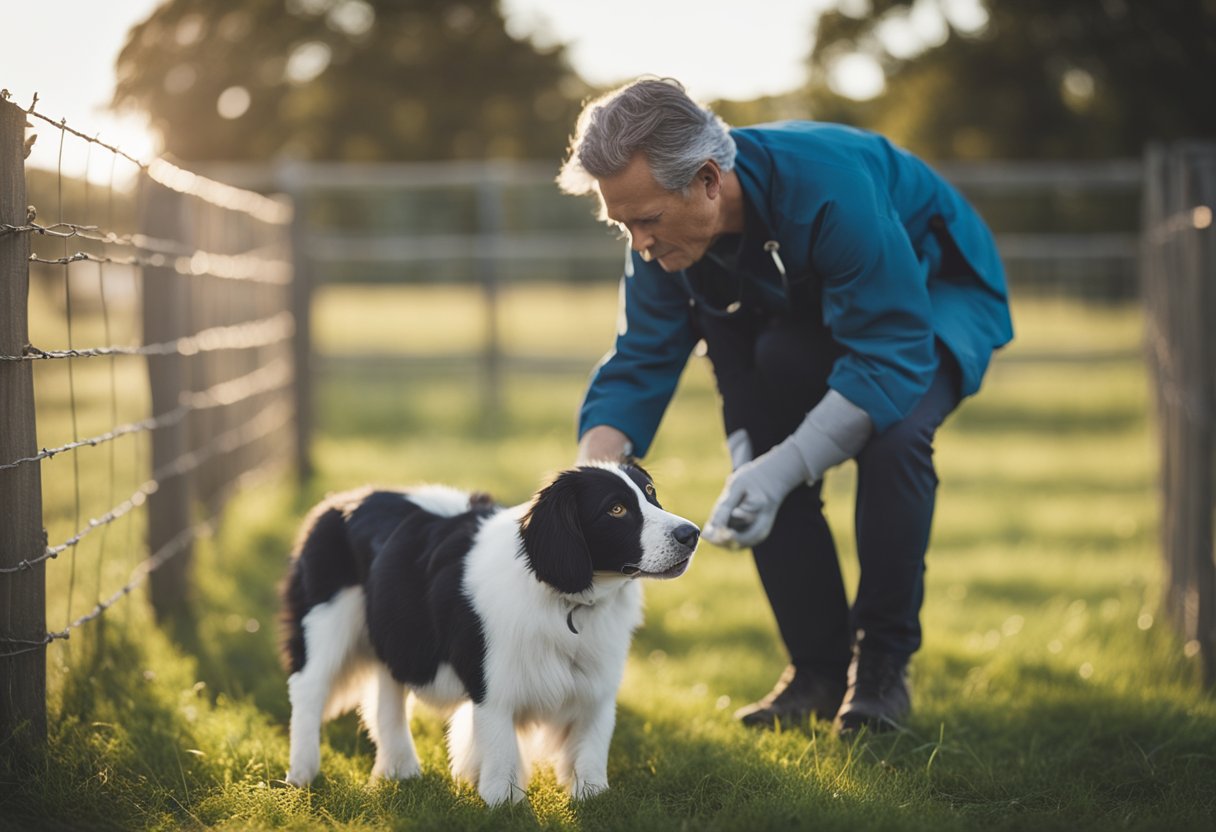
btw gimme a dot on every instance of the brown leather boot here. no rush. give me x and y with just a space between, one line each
797 696
878 696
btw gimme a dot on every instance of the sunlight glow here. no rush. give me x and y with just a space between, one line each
714 47
307 61
233 102
81 159
857 76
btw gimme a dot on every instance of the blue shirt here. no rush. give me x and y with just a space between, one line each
864 222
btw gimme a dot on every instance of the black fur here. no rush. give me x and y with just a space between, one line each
410 563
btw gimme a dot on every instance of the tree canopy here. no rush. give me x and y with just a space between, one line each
361 80
1039 78
433 79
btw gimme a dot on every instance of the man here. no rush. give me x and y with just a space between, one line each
849 298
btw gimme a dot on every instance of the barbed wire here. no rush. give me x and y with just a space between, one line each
93 233
258 264
62 124
171 549
269 377
260 333
223 266
269 420
52 230
178 179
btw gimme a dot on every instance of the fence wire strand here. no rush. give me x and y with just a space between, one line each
264 379
201 263
181 180
263 332
269 420
174 547
256 262
67 298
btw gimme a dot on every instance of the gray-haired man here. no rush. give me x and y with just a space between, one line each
849 299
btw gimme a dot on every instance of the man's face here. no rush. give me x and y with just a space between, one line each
667 226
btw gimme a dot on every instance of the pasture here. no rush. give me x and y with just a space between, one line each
1050 693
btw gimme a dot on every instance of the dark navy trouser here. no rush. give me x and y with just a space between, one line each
770 373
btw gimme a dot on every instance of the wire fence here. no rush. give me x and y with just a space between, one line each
153 321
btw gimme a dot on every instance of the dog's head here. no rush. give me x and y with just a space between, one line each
603 519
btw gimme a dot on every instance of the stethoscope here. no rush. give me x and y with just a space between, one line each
697 300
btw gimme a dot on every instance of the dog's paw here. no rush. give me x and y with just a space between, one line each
496 793
583 788
400 769
301 777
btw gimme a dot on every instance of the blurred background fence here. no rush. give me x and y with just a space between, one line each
1179 285
1066 229
154 321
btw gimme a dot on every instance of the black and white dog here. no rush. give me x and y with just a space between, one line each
507 619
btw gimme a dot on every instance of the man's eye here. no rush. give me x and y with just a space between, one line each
617 510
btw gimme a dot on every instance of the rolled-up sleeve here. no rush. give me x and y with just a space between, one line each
633 384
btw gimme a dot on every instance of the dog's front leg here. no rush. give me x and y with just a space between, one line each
498 751
587 749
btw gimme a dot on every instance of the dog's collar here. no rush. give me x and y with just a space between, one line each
570 613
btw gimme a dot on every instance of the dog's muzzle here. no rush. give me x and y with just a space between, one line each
684 538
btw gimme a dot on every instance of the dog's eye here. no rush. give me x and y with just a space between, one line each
649 489
617 510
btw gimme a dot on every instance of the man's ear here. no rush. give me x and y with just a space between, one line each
553 537
710 177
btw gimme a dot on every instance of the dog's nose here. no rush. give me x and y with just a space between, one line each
686 535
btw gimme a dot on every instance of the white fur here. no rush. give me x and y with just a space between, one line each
546 685
440 499
331 681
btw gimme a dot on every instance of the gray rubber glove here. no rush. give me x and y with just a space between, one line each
744 513
834 430
740 446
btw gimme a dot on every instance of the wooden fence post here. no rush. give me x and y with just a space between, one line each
1178 263
291 177
489 229
165 318
22 593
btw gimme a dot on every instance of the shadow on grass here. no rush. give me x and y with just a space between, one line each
1014 420
1041 749
231 623
115 757
1017 532
1045 738
1031 593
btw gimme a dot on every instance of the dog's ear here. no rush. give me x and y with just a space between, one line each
553 537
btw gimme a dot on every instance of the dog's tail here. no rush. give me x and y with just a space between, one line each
321 553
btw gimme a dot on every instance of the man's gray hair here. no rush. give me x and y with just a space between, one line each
654 116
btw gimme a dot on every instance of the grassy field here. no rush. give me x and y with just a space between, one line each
1050 694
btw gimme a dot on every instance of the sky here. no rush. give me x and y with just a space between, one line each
65 52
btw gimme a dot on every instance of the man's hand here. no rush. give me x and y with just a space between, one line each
753 493
834 430
603 443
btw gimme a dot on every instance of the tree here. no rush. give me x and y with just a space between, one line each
1041 78
345 79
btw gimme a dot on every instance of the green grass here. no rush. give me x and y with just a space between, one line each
1050 693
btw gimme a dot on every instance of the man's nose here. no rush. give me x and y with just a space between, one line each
640 240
